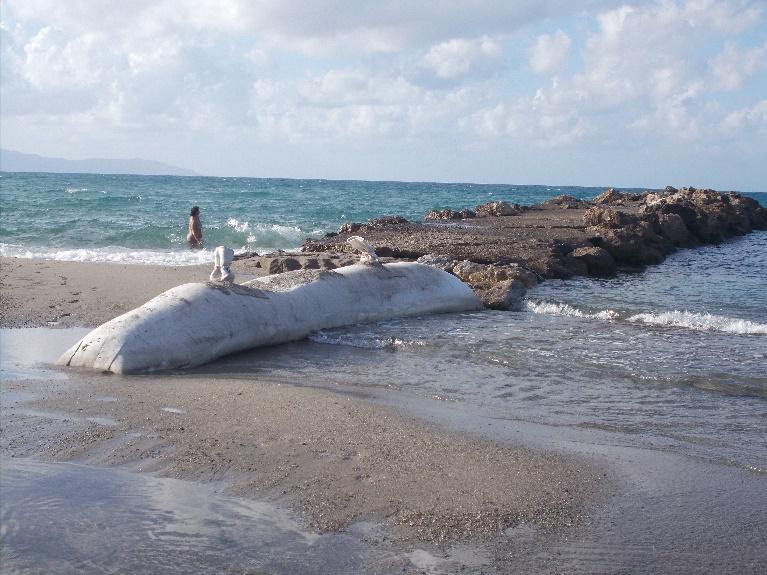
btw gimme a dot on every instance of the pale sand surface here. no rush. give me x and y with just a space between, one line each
40 293
336 458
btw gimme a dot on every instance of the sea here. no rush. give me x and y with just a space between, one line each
673 358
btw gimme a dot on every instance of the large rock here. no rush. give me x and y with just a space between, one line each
672 227
708 215
374 224
614 197
598 261
277 263
607 217
504 295
749 215
498 287
498 208
449 214
635 245
464 269
565 202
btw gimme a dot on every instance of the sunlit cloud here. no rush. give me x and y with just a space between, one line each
182 79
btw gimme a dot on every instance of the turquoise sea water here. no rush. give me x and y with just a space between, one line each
143 219
672 357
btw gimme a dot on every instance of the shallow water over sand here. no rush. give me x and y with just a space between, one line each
672 358
68 518
28 353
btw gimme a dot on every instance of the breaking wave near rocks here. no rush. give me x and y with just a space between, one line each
551 308
261 236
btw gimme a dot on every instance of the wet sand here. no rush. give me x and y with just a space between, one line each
337 459
537 499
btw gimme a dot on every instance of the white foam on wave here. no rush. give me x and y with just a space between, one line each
551 308
260 231
363 341
682 319
701 322
117 255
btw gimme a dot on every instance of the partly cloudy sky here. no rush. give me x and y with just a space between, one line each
592 92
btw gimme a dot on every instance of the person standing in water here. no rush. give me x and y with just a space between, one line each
194 237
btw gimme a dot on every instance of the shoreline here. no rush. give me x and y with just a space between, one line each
414 465
338 460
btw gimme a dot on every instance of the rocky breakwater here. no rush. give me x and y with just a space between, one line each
502 249
641 229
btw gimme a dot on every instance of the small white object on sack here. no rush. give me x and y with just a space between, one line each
367 252
222 261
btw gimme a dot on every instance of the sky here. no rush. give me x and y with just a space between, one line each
592 92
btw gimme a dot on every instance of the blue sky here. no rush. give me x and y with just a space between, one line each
596 92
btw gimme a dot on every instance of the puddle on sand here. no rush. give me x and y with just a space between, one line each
173 410
29 353
69 518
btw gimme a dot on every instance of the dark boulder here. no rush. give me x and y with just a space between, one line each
503 295
598 261
635 245
672 227
564 202
607 217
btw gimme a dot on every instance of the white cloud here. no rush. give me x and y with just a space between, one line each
630 73
338 87
749 118
549 54
53 60
641 64
306 25
641 78
732 66
461 57
541 121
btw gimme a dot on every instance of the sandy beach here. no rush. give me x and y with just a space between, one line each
335 458
324 288
435 479
43 293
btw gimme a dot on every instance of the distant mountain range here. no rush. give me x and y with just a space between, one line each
11 161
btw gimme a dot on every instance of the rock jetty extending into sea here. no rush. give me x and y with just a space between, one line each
502 249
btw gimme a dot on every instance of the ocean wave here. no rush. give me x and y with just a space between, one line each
551 308
111 255
683 319
267 235
365 341
700 322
